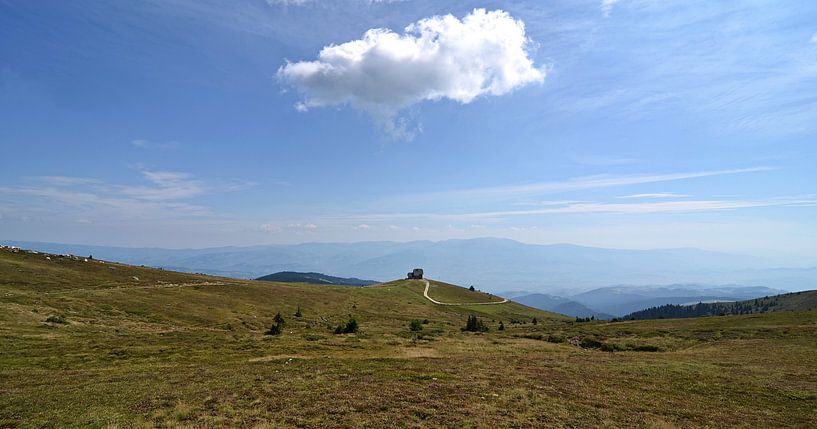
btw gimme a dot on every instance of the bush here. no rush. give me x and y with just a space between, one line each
555 338
590 343
646 348
471 288
610 347
474 325
416 325
501 326
56 319
350 327
534 321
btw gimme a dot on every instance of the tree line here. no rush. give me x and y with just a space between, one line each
673 311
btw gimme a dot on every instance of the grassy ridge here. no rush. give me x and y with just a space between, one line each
187 350
445 292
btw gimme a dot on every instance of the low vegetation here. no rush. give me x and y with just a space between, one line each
474 325
348 327
183 350
416 325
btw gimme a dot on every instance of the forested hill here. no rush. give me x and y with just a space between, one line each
795 301
315 278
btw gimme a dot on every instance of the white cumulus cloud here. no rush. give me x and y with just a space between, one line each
441 57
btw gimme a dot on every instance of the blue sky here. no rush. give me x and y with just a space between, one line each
629 123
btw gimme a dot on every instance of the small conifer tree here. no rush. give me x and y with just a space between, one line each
277 328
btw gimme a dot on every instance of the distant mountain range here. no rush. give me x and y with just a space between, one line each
794 301
559 305
490 264
314 278
622 300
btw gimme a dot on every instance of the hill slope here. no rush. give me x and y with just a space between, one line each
795 301
314 278
98 344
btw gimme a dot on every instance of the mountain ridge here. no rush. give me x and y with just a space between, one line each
488 263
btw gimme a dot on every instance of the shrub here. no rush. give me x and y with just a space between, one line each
501 326
56 319
590 343
610 347
534 321
471 288
552 338
474 325
416 325
646 348
350 327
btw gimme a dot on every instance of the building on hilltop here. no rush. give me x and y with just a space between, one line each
417 273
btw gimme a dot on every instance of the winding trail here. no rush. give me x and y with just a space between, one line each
425 294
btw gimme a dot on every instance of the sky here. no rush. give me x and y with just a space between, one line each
615 123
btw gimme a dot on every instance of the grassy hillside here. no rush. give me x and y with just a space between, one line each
86 344
795 301
445 292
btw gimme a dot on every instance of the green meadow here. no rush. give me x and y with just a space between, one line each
100 344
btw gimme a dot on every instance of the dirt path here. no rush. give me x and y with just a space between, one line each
425 294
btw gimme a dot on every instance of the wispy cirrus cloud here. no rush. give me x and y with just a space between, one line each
575 184
296 227
162 195
692 58
607 6
148 144
656 195
686 206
